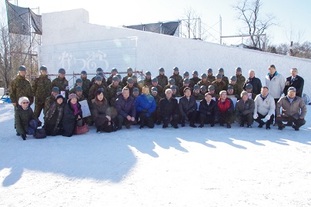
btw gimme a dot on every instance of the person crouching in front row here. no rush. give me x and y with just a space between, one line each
72 113
226 109
26 123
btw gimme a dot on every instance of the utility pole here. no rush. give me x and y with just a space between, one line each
220 29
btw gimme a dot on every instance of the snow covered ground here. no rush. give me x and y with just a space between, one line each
157 167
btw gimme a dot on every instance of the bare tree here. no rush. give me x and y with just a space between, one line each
249 12
5 68
192 23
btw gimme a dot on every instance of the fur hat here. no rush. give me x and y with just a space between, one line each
71 96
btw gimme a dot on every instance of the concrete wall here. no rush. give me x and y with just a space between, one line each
70 41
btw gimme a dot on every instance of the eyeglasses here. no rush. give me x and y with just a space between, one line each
25 102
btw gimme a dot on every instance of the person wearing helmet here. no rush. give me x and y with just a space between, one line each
162 78
178 79
41 89
61 82
114 72
86 83
129 75
195 78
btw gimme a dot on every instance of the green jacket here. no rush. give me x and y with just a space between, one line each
22 119
20 86
62 84
42 88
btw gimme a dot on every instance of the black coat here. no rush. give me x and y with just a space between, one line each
187 106
168 108
70 120
256 83
22 119
99 112
208 109
297 82
53 119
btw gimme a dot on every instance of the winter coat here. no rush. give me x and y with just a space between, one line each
145 103
240 83
226 106
297 109
211 78
178 80
112 94
168 107
22 119
53 119
126 107
297 82
42 88
69 119
187 106
275 84
93 89
264 106
162 80
99 111
194 81
219 86
61 83
243 108
20 86
86 85
208 109
256 83
48 102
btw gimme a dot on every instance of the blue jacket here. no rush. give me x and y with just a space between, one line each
145 103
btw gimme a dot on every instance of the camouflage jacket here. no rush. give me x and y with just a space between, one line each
162 80
20 86
86 85
62 84
42 88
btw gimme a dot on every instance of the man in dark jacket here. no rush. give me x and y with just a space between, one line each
41 90
207 110
114 72
294 81
256 82
188 108
129 75
195 78
162 78
125 105
178 79
112 90
169 110
86 84
294 110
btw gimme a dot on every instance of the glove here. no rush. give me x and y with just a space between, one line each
24 136
267 117
255 116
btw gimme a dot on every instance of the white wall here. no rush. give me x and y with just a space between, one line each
70 41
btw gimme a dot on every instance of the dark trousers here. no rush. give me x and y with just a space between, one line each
123 120
146 120
297 123
225 117
261 122
207 119
173 120
38 108
191 117
247 118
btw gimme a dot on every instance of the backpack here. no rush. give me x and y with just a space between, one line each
40 133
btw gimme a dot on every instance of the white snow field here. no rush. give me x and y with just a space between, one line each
157 167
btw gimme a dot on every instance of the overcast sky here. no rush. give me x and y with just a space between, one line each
292 17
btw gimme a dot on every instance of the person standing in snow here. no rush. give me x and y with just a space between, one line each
178 79
256 82
293 111
275 82
296 81
162 78
264 108
145 107
61 82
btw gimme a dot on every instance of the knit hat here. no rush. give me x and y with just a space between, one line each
98 78
79 80
175 69
218 76
186 73
71 96
161 70
211 88
43 67
204 75
210 70
238 69
78 88
155 80
130 80
129 70
233 78
55 89
154 89
148 73
59 96
23 99
83 72
249 86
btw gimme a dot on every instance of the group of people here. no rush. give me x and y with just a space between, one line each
177 100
